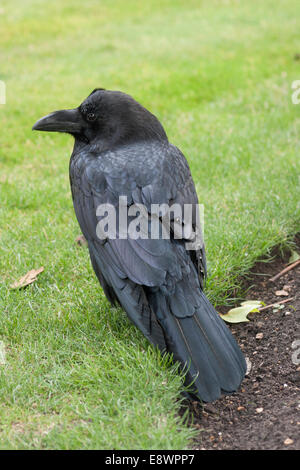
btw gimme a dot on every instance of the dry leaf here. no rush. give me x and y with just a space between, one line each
80 240
281 293
29 278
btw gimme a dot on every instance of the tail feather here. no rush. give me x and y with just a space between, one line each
204 346
184 324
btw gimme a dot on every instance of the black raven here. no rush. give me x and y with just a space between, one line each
121 149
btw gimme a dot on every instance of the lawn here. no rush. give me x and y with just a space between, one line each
218 75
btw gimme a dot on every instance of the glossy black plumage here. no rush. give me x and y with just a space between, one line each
122 150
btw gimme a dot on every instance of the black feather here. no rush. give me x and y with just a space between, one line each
122 149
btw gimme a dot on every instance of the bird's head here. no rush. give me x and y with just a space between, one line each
107 118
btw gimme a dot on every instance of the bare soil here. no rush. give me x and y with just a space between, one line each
265 412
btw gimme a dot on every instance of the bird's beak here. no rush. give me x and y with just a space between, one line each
67 120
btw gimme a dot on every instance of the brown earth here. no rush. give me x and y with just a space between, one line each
265 412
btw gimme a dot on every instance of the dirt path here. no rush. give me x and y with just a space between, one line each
265 413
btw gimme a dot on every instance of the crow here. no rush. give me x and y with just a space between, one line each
121 150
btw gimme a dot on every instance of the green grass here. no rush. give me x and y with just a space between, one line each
218 74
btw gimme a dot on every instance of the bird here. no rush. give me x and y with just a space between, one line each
122 152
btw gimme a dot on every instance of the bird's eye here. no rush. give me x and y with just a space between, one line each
91 117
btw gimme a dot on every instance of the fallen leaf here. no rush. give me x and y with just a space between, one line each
80 240
281 293
239 314
294 257
29 278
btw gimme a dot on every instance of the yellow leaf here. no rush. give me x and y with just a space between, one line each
239 314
